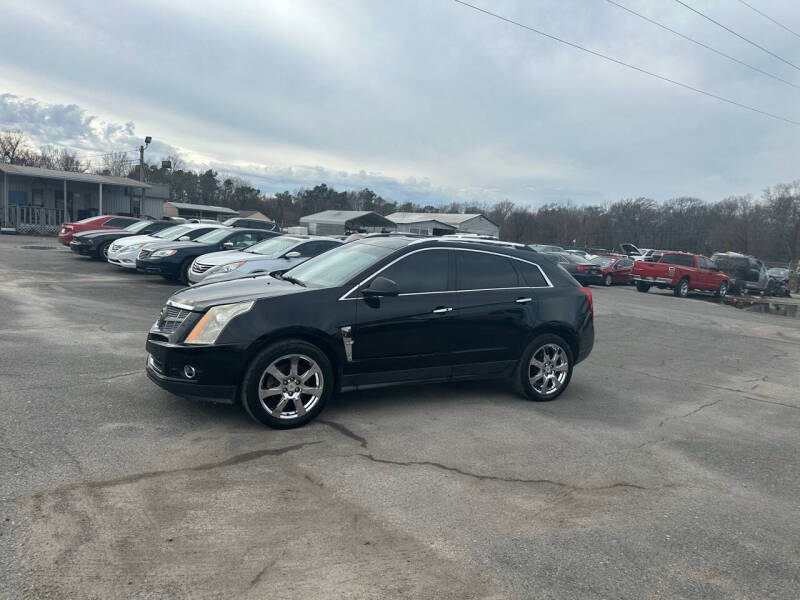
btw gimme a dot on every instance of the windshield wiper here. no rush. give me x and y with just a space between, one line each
291 279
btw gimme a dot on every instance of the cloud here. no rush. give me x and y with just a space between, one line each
419 98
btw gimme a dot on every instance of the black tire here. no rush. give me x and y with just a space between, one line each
722 290
525 370
682 289
643 287
183 272
608 280
257 371
102 251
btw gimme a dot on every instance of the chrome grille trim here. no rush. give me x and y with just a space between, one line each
199 267
171 318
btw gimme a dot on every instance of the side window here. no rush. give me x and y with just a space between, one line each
627 262
196 233
243 240
307 249
421 272
118 222
479 271
530 274
702 262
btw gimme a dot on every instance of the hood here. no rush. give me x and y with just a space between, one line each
227 256
160 244
203 296
139 239
96 233
91 232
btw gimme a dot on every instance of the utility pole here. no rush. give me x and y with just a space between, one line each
147 141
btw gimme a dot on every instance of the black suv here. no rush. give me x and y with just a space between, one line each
377 311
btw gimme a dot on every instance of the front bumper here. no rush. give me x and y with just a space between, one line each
218 370
123 259
157 267
83 249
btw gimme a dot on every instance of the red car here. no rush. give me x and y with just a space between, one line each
615 269
103 222
681 272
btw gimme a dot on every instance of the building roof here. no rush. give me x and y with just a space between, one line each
453 219
69 176
253 214
340 217
223 210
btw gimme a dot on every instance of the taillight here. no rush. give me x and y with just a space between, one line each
588 293
583 268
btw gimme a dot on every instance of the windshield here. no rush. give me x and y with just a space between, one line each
272 246
213 236
603 261
778 272
138 226
336 267
172 233
231 221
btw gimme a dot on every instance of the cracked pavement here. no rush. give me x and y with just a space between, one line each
669 469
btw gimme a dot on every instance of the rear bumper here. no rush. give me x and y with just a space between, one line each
652 280
585 341
65 238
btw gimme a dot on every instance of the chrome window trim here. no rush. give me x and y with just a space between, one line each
399 258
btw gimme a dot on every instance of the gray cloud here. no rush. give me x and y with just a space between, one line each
417 97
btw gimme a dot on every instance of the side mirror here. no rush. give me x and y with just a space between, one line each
293 254
184 238
381 286
227 245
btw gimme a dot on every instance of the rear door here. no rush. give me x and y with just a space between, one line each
492 311
405 337
622 270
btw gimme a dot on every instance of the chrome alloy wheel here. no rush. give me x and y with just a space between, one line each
290 386
548 369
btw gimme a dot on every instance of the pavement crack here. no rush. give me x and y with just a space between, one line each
345 431
228 462
692 412
257 579
119 375
480 477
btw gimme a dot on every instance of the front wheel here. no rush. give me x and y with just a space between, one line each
545 369
722 290
102 252
643 287
608 280
287 384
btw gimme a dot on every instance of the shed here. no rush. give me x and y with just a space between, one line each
253 214
198 211
421 223
36 200
341 222
461 222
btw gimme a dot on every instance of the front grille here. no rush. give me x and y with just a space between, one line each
171 318
144 253
199 268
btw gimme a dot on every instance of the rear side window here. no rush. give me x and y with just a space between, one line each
479 271
196 233
702 262
420 272
678 259
119 222
530 274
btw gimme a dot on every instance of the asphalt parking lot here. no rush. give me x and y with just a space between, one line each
669 469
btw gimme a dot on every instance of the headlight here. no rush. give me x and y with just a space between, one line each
163 253
227 268
214 321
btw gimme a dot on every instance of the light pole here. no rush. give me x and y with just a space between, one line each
147 141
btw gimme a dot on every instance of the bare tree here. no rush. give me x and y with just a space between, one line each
116 164
11 143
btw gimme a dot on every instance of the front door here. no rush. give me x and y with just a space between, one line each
397 334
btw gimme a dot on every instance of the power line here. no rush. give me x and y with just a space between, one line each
766 16
701 44
630 66
740 36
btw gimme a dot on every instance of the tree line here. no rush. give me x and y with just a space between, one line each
767 227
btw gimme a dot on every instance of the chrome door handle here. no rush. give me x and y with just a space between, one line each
444 309
523 300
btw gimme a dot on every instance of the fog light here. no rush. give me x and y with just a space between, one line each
189 371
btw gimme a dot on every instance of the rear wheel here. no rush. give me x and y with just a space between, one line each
682 289
287 384
545 369
643 287
608 280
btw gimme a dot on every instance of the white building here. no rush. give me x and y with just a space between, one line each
443 223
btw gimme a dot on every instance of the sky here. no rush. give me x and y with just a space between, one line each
420 100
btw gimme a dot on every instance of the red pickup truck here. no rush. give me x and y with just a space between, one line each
681 272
